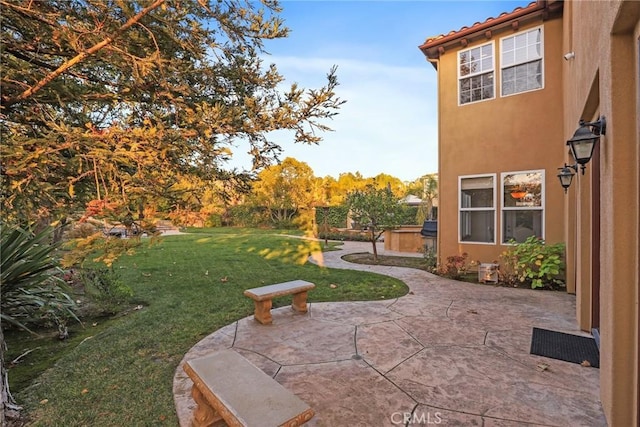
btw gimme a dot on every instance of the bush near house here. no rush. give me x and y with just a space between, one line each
455 267
535 263
532 263
430 256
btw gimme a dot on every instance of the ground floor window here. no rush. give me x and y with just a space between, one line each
522 205
477 209
520 211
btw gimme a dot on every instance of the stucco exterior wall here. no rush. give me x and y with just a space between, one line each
520 132
603 79
599 217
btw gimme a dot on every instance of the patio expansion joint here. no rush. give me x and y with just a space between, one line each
384 376
280 365
513 420
355 342
508 356
321 362
446 313
235 333
398 364
430 405
395 322
484 341
283 365
481 414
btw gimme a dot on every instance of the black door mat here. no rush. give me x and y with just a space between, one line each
567 347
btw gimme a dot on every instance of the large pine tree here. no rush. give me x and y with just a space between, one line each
116 100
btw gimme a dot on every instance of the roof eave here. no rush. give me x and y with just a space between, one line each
435 47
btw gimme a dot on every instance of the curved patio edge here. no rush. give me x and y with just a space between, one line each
447 351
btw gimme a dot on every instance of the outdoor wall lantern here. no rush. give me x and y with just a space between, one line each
566 176
584 141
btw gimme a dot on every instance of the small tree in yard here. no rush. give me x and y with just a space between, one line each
377 209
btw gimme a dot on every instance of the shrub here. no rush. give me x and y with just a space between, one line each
105 288
214 220
336 216
353 236
31 291
430 257
534 262
247 216
284 224
455 267
81 230
408 215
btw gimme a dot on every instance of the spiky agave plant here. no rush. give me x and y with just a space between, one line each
30 293
31 290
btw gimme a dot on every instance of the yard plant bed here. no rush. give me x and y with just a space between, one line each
421 264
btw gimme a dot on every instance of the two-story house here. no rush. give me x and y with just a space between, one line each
511 92
500 117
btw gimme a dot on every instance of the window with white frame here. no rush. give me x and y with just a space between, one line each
475 74
521 62
477 209
522 205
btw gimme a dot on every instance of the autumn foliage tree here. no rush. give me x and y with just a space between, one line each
121 100
286 189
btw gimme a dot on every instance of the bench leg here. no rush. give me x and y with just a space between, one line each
263 312
300 302
204 415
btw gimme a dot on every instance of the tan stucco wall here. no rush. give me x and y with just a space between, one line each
603 80
506 134
599 218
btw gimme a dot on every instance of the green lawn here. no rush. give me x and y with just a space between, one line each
120 371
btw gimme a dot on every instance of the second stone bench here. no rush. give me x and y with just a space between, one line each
264 295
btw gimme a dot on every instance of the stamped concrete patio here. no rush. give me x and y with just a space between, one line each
448 353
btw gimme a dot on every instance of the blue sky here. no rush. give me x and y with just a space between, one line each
389 123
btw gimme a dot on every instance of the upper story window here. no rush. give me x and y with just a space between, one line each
521 62
475 74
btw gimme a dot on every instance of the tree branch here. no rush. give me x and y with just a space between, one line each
78 58
27 11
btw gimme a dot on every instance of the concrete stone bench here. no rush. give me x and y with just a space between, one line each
228 387
263 296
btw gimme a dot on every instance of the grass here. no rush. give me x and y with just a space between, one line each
119 371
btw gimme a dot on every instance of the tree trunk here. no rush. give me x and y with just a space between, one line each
373 242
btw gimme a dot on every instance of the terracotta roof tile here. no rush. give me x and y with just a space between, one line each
515 11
